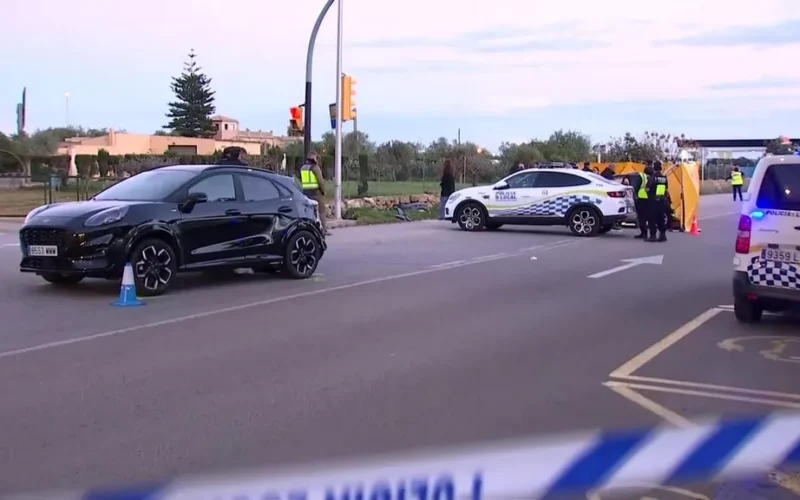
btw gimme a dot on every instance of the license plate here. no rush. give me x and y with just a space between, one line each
43 251
777 255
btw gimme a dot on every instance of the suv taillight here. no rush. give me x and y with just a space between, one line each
743 236
616 194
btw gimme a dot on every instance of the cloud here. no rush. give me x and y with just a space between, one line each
761 84
782 33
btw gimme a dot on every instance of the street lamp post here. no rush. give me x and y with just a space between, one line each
309 65
337 181
66 108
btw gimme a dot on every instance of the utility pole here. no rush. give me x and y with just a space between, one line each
309 66
337 181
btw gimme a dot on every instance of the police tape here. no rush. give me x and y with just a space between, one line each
714 451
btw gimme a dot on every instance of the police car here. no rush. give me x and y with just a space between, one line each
767 260
583 201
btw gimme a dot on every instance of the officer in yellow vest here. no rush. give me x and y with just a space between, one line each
737 181
642 204
313 184
659 206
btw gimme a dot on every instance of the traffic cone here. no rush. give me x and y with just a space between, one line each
127 290
694 230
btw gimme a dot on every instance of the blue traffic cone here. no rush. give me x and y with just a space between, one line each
127 291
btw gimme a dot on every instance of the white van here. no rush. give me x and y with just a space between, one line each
767 262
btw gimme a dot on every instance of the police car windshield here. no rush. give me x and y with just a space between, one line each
153 185
780 188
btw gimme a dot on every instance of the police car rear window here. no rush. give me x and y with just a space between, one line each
780 188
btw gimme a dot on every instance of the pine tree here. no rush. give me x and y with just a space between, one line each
191 113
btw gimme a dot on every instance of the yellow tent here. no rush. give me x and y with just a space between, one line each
684 186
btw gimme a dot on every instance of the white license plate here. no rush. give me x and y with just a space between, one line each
43 251
778 255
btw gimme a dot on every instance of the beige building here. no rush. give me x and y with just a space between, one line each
228 134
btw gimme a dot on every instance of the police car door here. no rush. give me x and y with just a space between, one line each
555 190
776 228
512 197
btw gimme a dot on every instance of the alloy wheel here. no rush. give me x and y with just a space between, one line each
153 267
583 221
303 255
471 217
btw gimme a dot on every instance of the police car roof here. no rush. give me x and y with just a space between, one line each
202 168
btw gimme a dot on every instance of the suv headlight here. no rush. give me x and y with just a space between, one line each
34 212
108 216
453 197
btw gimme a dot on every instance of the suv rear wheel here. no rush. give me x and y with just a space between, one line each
301 255
747 311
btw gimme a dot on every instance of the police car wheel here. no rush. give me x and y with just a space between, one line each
747 311
584 221
471 217
302 255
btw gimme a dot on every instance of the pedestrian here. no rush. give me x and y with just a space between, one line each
639 185
608 172
587 167
313 184
657 188
737 181
448 185
233 155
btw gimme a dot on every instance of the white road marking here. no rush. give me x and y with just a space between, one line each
705 394
648 404
260 303
656 260
712 387
662 345
448 264
717 216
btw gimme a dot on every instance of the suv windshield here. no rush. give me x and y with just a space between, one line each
153 185
780 188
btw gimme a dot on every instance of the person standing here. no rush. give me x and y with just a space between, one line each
737 181
639 185
659 210
608 172
587 167
313 184
448 185
234 155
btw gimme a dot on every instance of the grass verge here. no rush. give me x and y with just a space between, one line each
368 216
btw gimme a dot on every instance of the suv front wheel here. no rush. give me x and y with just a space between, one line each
154 267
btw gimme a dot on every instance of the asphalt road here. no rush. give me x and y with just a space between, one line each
412 335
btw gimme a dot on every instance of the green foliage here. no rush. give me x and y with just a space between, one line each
650 146
190 114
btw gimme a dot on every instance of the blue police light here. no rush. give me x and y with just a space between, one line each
757 214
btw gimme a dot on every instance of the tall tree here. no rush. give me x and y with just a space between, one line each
191 113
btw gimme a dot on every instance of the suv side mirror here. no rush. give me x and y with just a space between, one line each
500 185
192 200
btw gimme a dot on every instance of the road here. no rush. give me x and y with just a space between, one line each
413 335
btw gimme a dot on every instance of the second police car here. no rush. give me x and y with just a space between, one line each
583 201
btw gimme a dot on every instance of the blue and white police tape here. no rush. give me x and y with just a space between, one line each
713 451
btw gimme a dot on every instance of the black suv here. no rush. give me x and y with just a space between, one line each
176 218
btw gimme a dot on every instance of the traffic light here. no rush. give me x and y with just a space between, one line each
348 103
296 121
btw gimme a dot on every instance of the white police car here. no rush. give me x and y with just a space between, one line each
585 202
767 261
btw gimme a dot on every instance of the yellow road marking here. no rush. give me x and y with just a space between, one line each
664 413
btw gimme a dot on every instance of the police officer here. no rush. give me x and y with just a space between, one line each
639 184
313 184
737 181
234 155
659 208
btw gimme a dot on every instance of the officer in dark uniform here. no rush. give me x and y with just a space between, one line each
659 209
233 155
641 197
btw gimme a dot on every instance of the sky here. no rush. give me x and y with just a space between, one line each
505 70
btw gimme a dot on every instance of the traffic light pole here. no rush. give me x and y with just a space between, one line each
309 64
337 181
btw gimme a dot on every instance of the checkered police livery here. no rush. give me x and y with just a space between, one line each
770 273
557 206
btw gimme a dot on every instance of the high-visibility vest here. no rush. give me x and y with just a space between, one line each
661 186
737 179
642 194
308 178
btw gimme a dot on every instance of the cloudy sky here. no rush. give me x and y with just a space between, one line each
498 70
